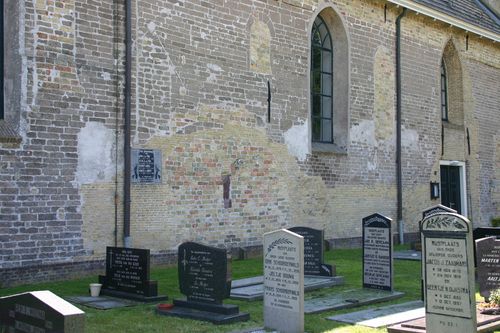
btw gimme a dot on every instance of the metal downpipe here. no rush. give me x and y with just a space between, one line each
126 149
399 164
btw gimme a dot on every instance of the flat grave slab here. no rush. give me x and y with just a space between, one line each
383 316
101 302
485 323
252 289
349 299
408 255
213 317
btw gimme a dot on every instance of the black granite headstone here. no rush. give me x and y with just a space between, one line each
377 252
203 273
488 265
128 275
313 251
39 311
205 279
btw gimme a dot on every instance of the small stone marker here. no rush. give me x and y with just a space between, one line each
127 275
205 279
448 271
39 311
313 251
284 281
377 252
488 265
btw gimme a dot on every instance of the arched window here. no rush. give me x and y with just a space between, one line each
444 92
321 82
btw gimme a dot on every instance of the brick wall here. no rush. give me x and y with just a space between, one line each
199 95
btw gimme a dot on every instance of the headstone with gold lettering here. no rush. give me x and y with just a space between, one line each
448 271
39 311
284 281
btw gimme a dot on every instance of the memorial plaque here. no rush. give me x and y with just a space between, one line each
377 252
448 273
203 273
488 265
284 281
128 273
39 312
146 166
313 251
437 209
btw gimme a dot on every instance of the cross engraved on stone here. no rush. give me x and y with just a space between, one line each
184 261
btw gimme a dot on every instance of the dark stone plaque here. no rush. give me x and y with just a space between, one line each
127 275
146 166
437 209
377 252
205 279
488 265
39 312
313 251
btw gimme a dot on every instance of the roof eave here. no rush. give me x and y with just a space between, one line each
421 9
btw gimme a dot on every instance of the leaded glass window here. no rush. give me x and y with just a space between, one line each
444 92
321 83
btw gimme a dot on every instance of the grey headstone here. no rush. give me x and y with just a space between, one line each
488 265
448 271
40 311
284 281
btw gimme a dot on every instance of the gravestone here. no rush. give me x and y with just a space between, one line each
448 272
488 265
39 311
313 251
284 281
128 275
204 278
377 252
483 232
437 209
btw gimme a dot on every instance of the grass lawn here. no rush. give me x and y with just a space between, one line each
143 318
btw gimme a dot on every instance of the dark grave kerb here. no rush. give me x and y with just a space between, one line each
377 252
39 311
128 275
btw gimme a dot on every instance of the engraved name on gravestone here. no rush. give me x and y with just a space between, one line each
146 166
377 252
128 271
284 281
448 273
488 265
39 312
203 273
313 251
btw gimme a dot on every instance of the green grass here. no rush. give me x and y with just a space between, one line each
142 318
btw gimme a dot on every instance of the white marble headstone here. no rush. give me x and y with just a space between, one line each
448 271
284 281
